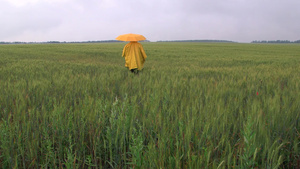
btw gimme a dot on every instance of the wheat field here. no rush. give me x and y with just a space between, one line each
195 105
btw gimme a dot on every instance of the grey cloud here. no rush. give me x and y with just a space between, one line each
237 20
17 21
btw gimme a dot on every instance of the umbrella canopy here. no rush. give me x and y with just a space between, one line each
131 37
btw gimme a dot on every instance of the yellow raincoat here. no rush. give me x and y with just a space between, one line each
135 55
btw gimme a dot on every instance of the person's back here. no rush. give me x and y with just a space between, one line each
135 55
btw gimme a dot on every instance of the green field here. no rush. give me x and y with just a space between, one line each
195 105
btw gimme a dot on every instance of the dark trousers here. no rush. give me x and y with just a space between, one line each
135 71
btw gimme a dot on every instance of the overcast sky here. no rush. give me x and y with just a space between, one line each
84 20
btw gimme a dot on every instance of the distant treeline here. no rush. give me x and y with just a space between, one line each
207 41
276 41
116 41
102 41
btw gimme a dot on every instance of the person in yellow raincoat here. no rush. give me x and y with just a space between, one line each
135 56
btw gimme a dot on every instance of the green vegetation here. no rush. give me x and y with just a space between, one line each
195 105
276 41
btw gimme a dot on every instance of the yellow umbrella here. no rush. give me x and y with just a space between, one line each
131 37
